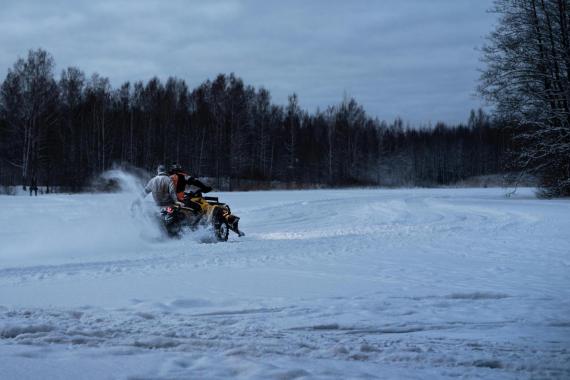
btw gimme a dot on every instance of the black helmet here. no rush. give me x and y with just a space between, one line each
175 168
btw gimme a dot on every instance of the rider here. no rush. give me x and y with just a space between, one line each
162 189
180 179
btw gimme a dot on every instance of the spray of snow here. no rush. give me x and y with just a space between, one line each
83 225
129 183
143 214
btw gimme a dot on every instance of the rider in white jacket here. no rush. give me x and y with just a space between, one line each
162 188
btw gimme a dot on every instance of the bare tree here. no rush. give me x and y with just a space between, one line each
29 99
528 79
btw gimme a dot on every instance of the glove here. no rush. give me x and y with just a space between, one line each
207 189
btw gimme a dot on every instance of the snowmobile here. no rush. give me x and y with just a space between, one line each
200 211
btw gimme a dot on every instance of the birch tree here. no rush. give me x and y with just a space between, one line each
528 79
29 101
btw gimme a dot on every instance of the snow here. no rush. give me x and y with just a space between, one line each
326 284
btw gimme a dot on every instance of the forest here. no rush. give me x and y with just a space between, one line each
63 131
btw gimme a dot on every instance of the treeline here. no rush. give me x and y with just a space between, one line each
65 131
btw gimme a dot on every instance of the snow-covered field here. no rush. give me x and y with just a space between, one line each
343 284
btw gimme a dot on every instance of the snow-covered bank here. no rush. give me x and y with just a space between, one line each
432 283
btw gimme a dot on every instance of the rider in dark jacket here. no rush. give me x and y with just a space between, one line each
181 179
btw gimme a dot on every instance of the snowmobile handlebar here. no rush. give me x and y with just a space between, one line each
193 194
198 193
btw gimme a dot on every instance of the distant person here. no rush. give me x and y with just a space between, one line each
34 187
162 188
181 179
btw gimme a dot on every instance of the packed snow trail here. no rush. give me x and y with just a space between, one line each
327 284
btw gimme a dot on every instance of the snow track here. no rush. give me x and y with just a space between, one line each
326 284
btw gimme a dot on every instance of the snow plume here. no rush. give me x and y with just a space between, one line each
131 188
63 227
125 180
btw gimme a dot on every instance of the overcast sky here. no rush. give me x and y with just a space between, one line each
412 58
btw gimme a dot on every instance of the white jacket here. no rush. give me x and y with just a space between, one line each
162 189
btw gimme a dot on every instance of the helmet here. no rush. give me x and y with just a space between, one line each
160 169
175 168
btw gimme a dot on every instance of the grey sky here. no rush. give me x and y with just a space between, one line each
413 58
